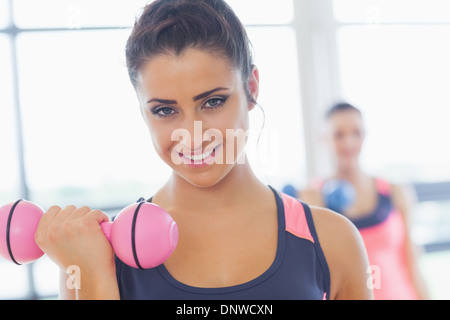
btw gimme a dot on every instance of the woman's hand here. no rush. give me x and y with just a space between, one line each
72 237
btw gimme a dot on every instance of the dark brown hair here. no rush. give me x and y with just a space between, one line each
172 26
339 107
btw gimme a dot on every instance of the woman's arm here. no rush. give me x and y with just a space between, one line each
93 288
403 199
346 256
72 238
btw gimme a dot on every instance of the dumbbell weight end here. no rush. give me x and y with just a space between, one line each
17 239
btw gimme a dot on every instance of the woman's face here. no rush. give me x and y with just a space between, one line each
346 136
196 110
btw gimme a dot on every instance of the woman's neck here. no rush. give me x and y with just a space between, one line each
354 175
235 189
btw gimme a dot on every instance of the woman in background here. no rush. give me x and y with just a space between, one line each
380 210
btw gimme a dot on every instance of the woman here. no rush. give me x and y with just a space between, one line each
191 67
380 210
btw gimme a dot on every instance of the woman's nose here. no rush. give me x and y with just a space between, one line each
190 134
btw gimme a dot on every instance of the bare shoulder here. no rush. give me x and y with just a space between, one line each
403 196
345 253
334 228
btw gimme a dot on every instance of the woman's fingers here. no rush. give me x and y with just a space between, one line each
99 216
73 236
78 212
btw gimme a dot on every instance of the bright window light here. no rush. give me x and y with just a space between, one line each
392 11
399 77
9 180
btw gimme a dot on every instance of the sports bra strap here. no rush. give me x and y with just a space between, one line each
295 217
383 187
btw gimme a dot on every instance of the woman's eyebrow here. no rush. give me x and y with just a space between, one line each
162 101
207 93
196 98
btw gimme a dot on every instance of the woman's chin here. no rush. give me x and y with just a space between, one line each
204 177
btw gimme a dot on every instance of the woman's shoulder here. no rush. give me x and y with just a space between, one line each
331 225
345 253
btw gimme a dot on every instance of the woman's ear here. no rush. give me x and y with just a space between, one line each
253 88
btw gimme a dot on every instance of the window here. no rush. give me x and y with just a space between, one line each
399 76
80 132
84 141
373 12
279 155
393 64
266 14
75 14
3 13
9 188
280 145
73 133
13 280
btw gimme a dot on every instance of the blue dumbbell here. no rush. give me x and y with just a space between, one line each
290 190
338 195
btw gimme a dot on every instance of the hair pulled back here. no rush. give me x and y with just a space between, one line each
173 26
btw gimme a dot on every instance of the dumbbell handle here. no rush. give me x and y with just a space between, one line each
106 228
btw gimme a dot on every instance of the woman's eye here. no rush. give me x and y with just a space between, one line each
215 102
357 134
163 112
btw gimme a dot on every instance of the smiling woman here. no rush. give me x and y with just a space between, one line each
96 126
77 113
190 65
185 81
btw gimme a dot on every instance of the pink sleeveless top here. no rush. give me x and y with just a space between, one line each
383 233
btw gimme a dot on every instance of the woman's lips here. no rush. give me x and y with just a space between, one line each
199 160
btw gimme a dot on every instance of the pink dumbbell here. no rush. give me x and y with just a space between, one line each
143 235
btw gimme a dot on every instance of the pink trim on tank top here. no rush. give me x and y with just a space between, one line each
296 223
